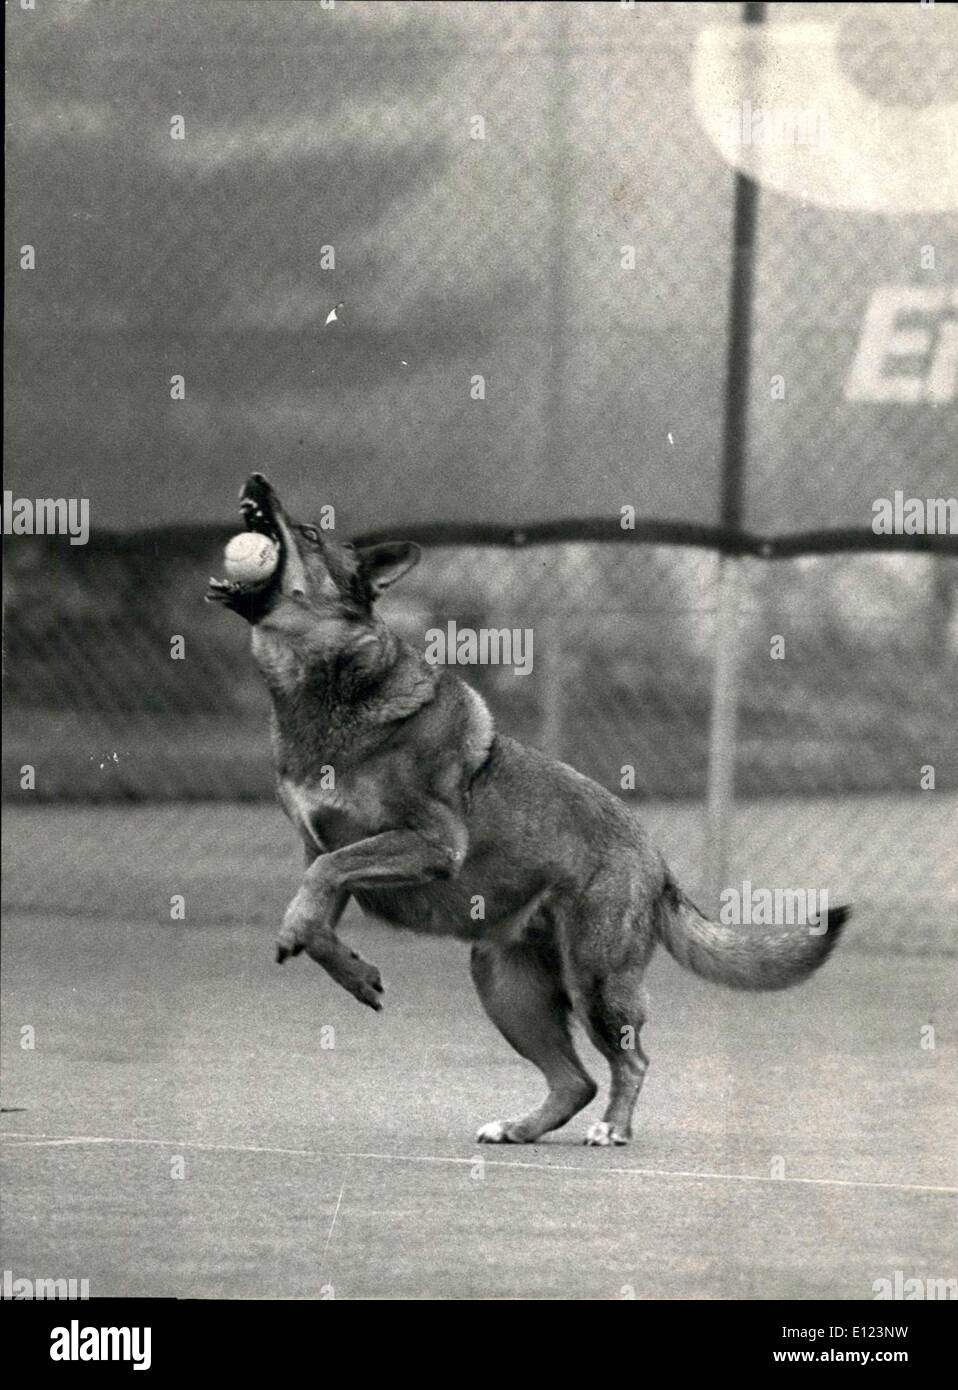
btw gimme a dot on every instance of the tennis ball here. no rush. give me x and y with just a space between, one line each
249 558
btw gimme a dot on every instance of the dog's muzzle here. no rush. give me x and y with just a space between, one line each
260 513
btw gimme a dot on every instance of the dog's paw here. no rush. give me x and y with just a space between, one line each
365 983
498 1132
601 1135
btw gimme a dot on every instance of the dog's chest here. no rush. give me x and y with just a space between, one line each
332 815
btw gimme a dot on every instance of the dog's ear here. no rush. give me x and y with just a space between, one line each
382 565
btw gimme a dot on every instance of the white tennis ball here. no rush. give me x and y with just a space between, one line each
249 558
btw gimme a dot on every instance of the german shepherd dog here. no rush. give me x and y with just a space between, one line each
408 800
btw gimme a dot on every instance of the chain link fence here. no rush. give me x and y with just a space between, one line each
524 215
122 685
523 218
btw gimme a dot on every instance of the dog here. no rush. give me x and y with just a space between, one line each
409 800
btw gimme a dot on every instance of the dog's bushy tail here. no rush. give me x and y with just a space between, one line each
747 957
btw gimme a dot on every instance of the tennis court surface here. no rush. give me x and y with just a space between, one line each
193 1120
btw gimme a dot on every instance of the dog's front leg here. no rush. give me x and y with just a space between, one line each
395 857
310 925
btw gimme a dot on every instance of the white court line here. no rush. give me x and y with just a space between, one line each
53 1141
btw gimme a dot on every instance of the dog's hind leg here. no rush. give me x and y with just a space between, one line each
521 991
613 1011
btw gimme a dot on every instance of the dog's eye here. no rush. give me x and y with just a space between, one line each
310 533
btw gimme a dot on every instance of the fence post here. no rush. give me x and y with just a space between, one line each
550 677
721 773
551 681
720 806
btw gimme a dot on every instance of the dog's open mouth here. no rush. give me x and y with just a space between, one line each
259 515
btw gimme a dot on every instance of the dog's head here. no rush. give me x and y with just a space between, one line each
318 582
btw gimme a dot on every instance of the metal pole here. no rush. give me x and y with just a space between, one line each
552 686
720 805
